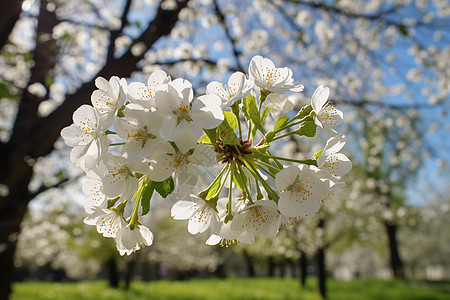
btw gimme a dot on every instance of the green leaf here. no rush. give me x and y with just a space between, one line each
266 112
307 128
253 112
281 121
209 137
305 111
226 131
269 136
215 185
165 188
204 139
147 194
318 154
245 109
213 190
231 119
240 180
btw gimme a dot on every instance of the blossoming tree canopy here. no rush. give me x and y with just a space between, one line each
139 138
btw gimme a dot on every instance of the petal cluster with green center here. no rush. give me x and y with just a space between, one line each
213 155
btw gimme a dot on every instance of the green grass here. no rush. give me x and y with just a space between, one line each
229 289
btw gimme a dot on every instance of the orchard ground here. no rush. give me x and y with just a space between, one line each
236 288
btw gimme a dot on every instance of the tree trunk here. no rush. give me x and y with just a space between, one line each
33 136
303 268
283 268
113 274
395 260
249 261
271 266
9 14
321 271
131 266
10 219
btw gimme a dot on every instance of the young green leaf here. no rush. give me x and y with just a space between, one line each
307 128
318 154
165 188
266 112
269 136
305 111
281 121
226 131
148 188
205 139
253 112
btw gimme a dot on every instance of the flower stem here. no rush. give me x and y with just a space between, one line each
229 216
235 109
289 124
135 214
271 168
241 171
265 170
272 194
205 194
283 136
312 162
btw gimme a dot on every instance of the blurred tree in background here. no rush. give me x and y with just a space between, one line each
387 63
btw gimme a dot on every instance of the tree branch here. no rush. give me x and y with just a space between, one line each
171 63
9 14
226 28
44 56
113 35
47 133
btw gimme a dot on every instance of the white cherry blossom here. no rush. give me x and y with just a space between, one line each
130 240
201 214
238 87
92 187
261 218
140 129
109 97
335 163
176 103
326 115
144 94
225 234
267 76
108 222
86 137
119 180
302 190
165 159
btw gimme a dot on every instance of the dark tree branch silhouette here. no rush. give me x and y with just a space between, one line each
34 136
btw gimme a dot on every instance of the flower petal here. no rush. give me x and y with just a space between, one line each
183 210
319 98
286 177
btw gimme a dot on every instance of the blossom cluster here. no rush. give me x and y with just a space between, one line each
139 138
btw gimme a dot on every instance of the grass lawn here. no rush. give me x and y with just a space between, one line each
229 289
